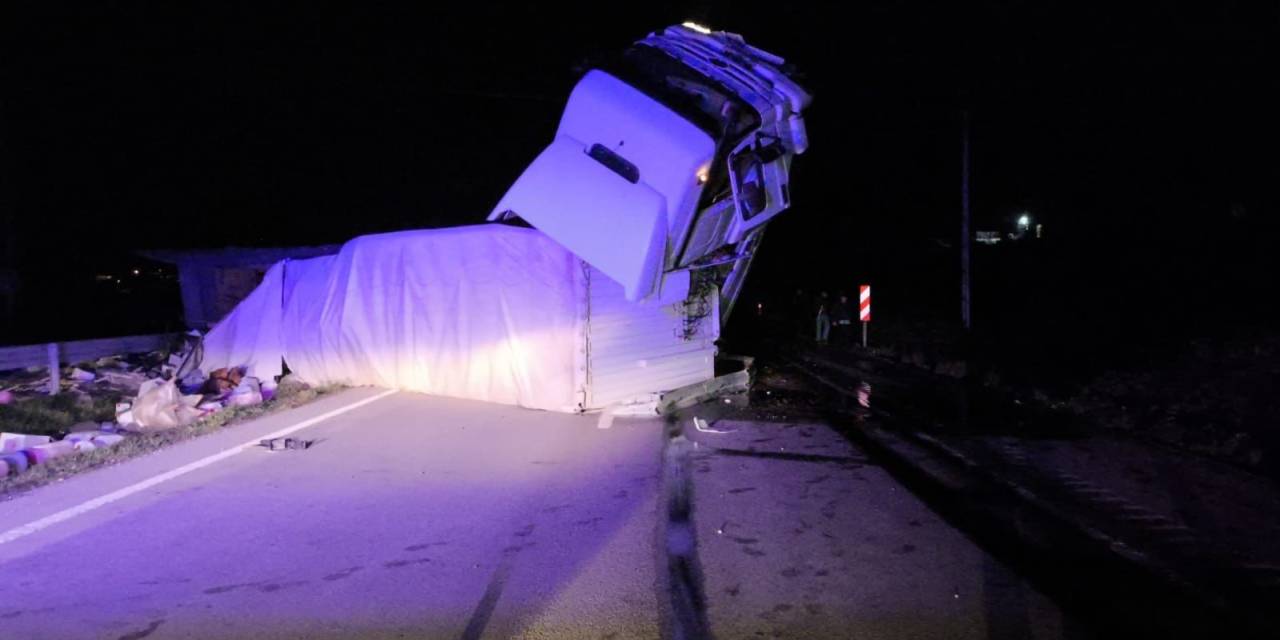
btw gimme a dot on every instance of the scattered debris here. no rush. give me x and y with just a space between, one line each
41 454
606 417
126 381
15 462
281 444
160 405
10 442
248 392
19 452
108 439
222 381
701 425
38 385
146 393
193 354
192 380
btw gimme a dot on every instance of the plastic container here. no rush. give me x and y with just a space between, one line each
46 452
18 441
16 461
107 439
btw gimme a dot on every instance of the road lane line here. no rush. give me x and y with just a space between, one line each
101 501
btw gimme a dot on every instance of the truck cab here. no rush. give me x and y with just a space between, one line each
669 161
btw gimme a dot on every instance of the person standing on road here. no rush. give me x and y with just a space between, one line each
823 308
841 320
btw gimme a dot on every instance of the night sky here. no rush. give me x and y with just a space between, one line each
1144 141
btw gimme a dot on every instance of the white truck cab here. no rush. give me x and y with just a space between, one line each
669 161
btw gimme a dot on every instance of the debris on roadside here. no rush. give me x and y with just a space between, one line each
124 413
145 393
14 462
704 427
194 379
40 454
281 444
210 407
160 405
221 381
268 389
248 392
108 439
126 381
10 442
19 451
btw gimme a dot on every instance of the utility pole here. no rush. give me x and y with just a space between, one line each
965 234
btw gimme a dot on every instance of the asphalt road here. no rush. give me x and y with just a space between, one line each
801 535
416 516
412 516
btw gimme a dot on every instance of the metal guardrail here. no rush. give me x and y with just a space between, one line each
53 354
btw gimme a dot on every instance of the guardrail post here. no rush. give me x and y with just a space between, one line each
55 372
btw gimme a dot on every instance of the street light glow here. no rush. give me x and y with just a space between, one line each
1024 221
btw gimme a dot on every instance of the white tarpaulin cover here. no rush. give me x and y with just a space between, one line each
484 312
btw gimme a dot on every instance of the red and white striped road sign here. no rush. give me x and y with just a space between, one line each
864 303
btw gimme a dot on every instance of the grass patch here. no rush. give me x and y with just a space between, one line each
52 415
139 444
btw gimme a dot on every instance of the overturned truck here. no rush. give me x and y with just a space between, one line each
603 276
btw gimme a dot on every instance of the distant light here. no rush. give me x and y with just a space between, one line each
703 174
1024 221
988 237
697 27
136 272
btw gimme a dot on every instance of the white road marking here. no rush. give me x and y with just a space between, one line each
101 501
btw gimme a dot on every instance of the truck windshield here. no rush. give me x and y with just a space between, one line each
699 99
